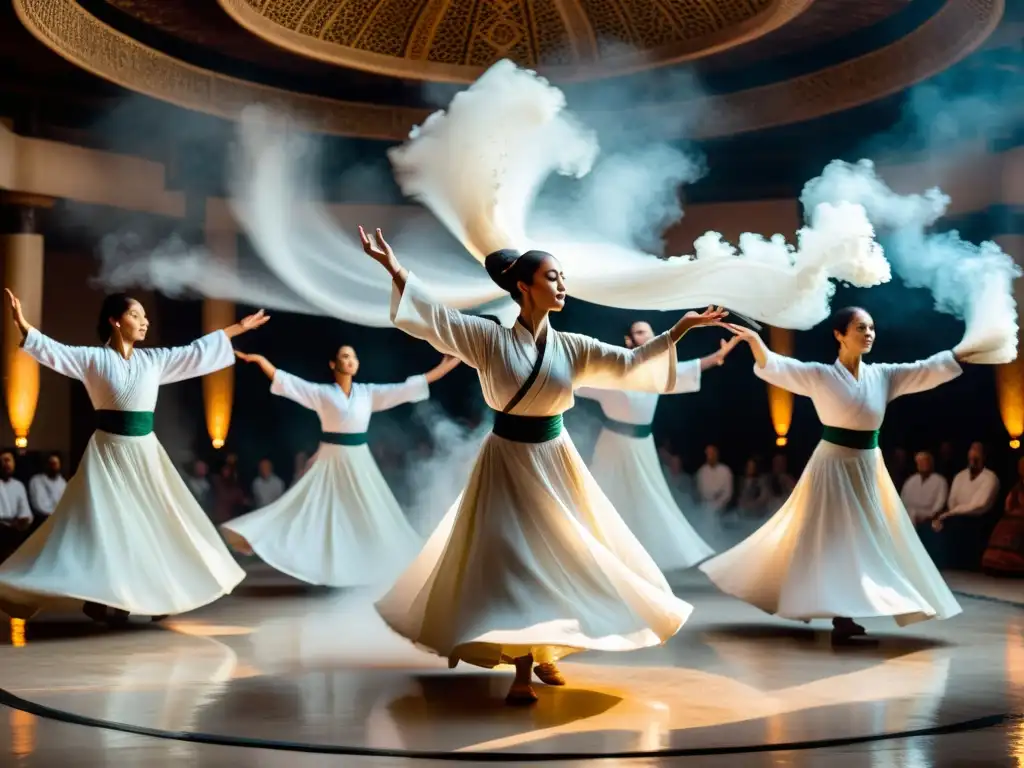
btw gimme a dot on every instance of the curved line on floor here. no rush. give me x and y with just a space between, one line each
988 598
39 710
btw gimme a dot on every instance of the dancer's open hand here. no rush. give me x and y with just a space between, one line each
15 304
377 247
710 316
741 332
725 347
255 320
245 356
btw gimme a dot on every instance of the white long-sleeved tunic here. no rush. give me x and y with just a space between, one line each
117 384
638 408
348 414
857 403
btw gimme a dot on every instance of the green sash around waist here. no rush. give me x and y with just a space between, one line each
629 430
343 438
527 429
851 438
126 423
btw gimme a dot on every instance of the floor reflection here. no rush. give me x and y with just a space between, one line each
321 668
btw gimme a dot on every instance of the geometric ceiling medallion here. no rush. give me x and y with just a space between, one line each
431 40
457 40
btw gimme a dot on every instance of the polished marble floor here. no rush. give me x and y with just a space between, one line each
279 665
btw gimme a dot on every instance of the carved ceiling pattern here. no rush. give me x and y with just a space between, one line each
954 32
455 40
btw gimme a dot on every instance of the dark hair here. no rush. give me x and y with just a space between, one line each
842 318
507 268
114 305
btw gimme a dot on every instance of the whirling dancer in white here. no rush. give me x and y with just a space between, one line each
626 463
532 563
127 534
843 545
339 525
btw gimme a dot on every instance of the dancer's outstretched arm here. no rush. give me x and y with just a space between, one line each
470 338
718 357
378 249
17 314
757 346
308 394
206 354
447 365
248 323
66 360
794 376
264 365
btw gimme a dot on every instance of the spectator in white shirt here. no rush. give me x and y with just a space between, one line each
972 495
268 487
714 481
15 514
46 488
924 494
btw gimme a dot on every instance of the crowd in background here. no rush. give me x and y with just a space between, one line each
956 504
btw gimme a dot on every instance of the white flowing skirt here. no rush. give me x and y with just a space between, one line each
631 477
127 533
842 545
532 559
339 526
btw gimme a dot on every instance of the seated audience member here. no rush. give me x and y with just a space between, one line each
1004 555
46 488
963 525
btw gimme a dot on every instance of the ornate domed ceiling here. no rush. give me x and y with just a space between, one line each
358 67
454 40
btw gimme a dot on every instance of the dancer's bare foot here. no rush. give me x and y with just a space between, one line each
549 674
521 693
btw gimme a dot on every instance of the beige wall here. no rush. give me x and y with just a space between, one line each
766 217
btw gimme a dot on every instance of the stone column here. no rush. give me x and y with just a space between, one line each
21 247
780 401
221 236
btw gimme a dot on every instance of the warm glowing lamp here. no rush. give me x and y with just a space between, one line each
219 387
780 402
1010 391
23 274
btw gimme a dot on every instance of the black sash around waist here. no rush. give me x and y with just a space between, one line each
126 423
527 429
344 438
851 438
629 430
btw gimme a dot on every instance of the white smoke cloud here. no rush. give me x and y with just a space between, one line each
971 282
